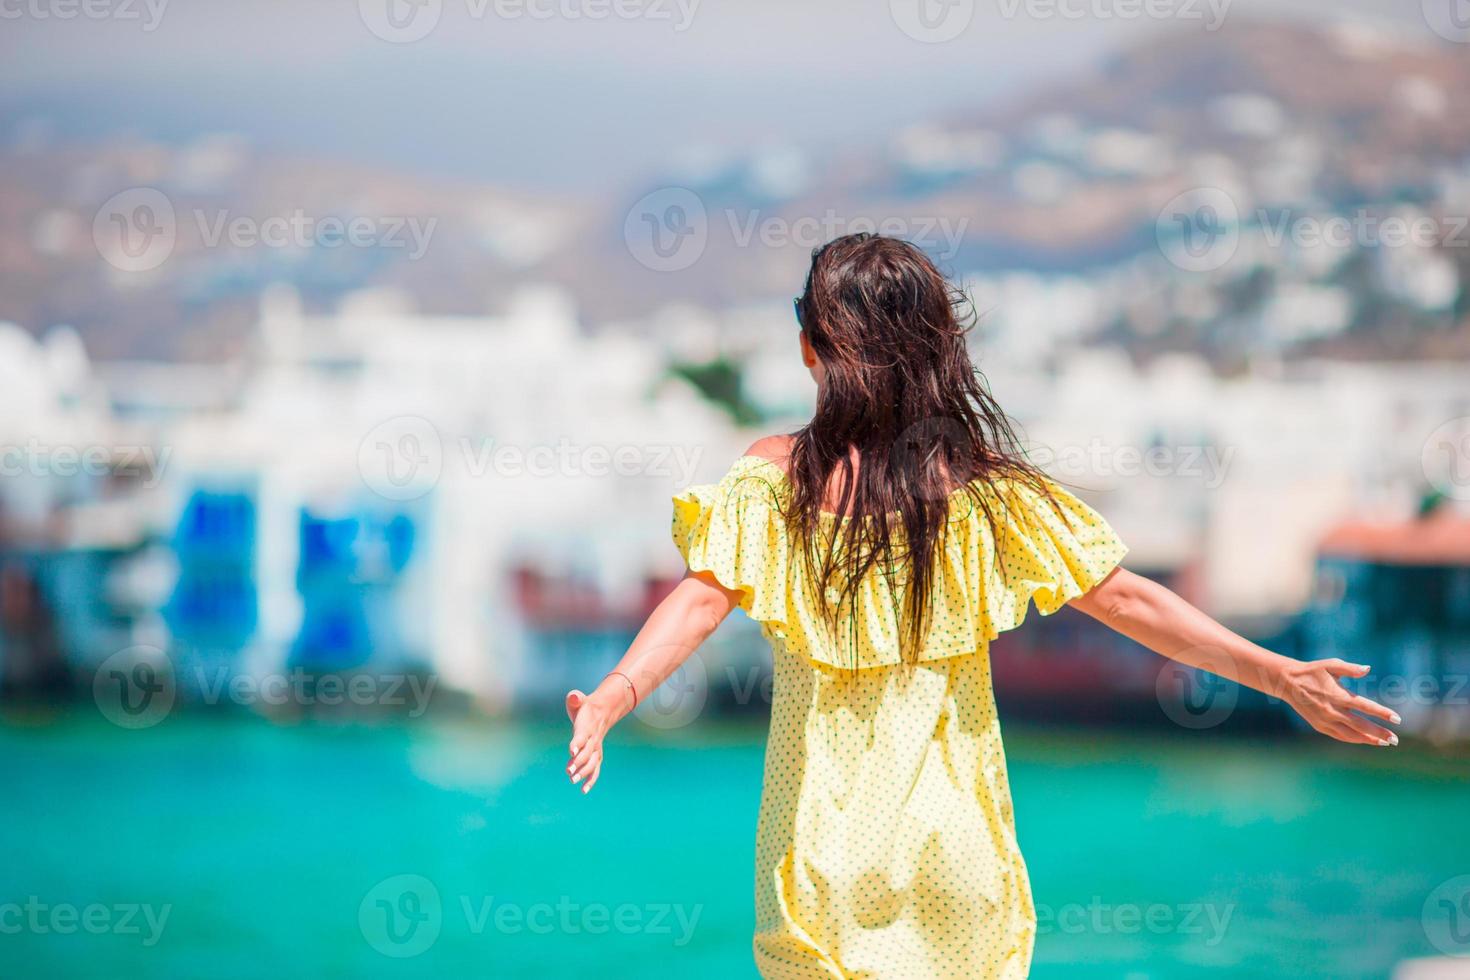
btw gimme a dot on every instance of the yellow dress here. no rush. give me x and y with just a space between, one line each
886 847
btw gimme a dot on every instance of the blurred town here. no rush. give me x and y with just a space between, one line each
250 459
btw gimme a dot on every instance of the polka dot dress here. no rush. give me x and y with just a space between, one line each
886 845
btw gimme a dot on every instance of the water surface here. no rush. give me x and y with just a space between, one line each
269 846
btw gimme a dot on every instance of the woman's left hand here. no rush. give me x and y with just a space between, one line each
1314 688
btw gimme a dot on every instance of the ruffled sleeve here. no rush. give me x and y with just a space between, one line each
1045 550
734 531
1006 547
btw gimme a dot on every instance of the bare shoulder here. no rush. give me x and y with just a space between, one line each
777 449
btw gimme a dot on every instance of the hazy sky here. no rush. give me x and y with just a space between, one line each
523 91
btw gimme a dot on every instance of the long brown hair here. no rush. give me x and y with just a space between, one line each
901 399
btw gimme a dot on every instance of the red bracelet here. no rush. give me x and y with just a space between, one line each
619 673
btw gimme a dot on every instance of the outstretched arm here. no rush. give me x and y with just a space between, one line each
675 629
1149 613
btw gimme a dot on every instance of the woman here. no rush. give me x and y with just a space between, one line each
881 547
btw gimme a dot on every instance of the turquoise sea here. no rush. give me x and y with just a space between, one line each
230 846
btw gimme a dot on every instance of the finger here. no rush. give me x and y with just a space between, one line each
1345 733
1341 668
1373 709
575 700
586 770
582 770
581 735
579 764
592 781
1370 732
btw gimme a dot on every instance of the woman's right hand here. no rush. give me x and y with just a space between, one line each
590 723
675 629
